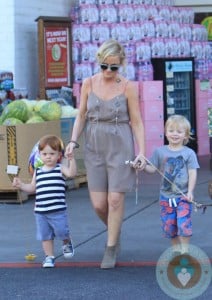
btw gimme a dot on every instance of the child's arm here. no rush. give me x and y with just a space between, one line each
149 169
26 187
192 178
69 169
152 163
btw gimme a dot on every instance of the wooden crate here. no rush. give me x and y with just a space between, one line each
11 196
76 182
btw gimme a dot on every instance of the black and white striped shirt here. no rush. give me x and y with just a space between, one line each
50 190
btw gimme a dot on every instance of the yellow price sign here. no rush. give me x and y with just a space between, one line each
11 145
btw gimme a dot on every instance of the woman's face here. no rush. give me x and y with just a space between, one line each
111 65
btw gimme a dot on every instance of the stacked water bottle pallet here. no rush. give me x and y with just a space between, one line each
204 115
146 28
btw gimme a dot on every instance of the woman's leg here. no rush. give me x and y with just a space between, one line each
99 201
115 216
110 209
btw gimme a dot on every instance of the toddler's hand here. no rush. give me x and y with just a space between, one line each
16 182
190 197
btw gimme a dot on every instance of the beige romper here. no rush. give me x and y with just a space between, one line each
108 144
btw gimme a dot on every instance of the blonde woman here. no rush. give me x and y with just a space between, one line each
110 117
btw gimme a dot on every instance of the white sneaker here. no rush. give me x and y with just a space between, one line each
68 250
48 262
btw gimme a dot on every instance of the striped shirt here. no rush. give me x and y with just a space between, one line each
50 190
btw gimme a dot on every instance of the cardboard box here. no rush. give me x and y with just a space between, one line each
151 110
204 145
151 145
201 88
201 107
154 130
16 143
151 90
202 126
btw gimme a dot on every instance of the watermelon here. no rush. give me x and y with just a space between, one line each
30 104
12 121
35 119
16 109
66 111
39 104
50 111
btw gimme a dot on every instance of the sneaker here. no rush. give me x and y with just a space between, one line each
68 250
48 262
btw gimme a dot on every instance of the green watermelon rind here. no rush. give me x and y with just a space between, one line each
16 109
50 111
12 121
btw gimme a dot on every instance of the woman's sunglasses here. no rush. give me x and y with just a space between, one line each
112 68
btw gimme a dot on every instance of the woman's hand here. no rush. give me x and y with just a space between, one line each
69 152
139 162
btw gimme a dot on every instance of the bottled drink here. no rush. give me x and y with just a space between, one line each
75 13
144 71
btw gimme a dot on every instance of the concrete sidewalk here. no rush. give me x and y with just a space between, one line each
141 237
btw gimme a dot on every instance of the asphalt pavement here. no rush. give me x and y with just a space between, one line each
81 278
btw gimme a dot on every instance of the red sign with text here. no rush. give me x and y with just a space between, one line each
57 59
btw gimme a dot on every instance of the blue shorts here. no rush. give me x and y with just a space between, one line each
52 225
176 217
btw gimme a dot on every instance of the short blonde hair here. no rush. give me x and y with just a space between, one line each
179 121
111 48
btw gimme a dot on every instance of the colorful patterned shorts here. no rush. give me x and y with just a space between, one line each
176 217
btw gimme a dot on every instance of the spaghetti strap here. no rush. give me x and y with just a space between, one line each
91 84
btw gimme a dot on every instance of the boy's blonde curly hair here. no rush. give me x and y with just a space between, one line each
180 121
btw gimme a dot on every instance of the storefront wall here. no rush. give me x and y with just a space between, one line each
18 38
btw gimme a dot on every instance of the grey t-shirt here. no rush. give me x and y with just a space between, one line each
174 165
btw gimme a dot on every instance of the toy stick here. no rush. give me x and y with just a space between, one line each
196 204
12 172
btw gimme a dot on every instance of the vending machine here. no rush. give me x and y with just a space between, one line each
177 75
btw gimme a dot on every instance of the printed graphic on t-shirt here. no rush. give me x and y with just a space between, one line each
176 173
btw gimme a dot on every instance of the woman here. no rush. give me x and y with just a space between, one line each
109 114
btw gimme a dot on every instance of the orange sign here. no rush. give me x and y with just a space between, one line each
57 57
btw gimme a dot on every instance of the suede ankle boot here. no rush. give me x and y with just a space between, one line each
109 259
